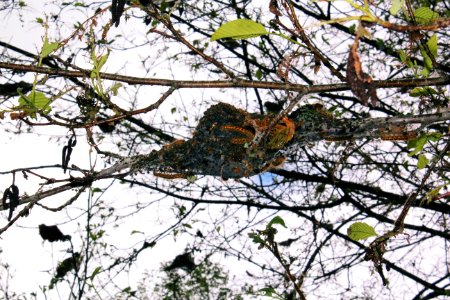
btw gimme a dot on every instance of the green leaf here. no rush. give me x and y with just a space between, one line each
256 238
425 72
360 231
81 4
48 48
34 102
96 271
405 59
239 29
187 225
430 195
276 220
428 63
115 88
425 91
136 232
418 143
259 74
396 5
422 161
424 15
403 56
98 62
352 29
102 61
96 190
434 137
191 178
432 45
271 292
268 291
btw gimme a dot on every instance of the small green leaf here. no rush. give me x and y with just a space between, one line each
402 55
434 137
164 6
360 231
256 238
422 161
115 88
352 29
427 62
276 220
259 74
102 61
405 59
433 45
396 5
48 48
418 143
430 195
136 232
434 192
268 291
34 102
425 91
239 29
96 190
425 72
98 62
424 15
173 110
191 178
96 271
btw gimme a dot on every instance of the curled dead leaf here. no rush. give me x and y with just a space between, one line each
359 81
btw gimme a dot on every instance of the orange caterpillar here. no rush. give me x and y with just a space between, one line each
404 136
278 136
170 175
249 135
397 133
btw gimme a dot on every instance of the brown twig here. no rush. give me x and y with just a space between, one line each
300 33
377 248
273 248
154 12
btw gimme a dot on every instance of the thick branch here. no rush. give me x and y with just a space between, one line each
225 83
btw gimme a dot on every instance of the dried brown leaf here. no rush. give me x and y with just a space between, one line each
273 8
359 81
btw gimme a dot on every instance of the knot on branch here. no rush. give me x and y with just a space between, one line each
375 254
